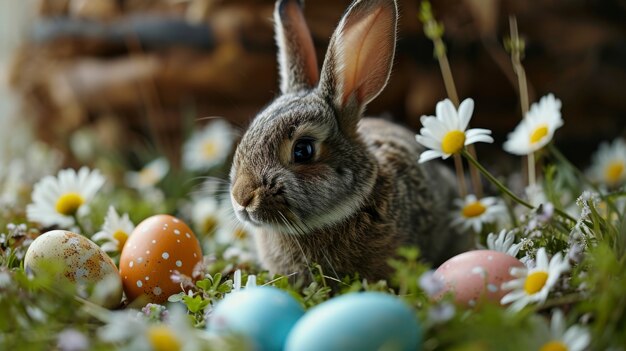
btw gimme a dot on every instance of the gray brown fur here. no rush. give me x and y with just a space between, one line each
364 195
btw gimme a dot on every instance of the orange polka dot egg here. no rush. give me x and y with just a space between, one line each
157 247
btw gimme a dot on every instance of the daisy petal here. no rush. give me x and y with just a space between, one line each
465 112
429 155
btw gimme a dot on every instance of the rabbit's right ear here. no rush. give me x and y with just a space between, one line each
359 58
296 54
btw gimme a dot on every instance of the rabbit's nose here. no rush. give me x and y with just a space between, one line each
244 193
247 200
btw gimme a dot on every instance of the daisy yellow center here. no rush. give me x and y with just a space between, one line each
148 176
121 238
535 282
209 149
163 339
453 142
240 234
613 172
473 209
538 134
68 203
209 225
554 346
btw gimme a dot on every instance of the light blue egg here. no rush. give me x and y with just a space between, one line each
360 322
263 315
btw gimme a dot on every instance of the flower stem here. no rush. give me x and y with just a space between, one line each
434 31
561 158
474 174
560 301
79 225
495 181
516 47
531 170
460 175
448 80
506 190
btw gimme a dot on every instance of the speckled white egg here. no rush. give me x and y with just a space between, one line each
477 274
367 321
81 261
158 246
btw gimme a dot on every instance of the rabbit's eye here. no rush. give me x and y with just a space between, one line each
303 150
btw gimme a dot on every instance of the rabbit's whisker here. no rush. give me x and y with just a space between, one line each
324 253
294 239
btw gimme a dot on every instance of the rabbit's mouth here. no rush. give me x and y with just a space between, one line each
275 221
283 221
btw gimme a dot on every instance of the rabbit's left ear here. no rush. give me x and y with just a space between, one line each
358 62
296 54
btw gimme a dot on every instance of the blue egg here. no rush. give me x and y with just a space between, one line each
359 321
263 315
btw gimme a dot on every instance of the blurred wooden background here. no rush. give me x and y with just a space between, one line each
144 68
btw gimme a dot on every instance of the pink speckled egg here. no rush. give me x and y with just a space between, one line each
159 246
475 275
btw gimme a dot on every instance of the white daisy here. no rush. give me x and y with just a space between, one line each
237 234
149 176
534 284
240 243
56 200
445 134
133 330
609 163
537 128
115 231
575 338
503 242
473 213
205 215
208 147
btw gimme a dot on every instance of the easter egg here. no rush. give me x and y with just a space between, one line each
359 321
81 261
262 315
478 274
157 247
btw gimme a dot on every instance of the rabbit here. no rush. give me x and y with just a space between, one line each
321 184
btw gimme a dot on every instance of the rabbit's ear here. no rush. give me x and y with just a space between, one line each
296 54
360 55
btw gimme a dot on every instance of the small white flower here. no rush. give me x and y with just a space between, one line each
115 231
240 254
208 147
609 163
575 338
237 282
473 213
446 133
233 234
205 215
134 332
537 128
72 340
5 279
441 312
149 176
534 284
431 283
57 199
536 195
125 327
503 242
